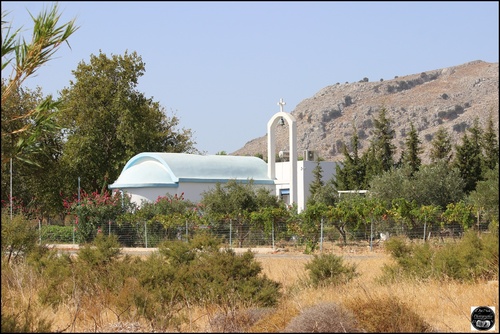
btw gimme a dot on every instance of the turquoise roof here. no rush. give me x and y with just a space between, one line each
150 169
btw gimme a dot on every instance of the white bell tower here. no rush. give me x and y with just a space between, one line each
271 148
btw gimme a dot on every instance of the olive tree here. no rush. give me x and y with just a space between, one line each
106 121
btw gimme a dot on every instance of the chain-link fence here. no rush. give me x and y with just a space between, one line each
150 235
235 235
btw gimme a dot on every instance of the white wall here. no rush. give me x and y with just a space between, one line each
192 191
305 177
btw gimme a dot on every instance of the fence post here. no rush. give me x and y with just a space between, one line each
146 234
425 227
321 236
273 233
186 230
40 230
230 233
371 234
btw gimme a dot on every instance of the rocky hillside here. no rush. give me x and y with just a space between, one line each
450 97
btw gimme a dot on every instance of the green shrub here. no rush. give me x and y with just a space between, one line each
183 253
199 273
96 270
473 257
235 279
158 296
157 288
329 269
223 277
491 253
412 260
397 247
57 234
43 257
19 236
56 272
103 250
28 321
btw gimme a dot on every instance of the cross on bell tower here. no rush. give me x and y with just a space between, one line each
281 103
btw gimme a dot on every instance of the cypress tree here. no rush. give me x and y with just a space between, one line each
317 183
468 160
380 156
489 145
322 192
352 174
441 146
372 166
410 157
358 175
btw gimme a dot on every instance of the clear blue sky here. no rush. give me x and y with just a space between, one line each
222 67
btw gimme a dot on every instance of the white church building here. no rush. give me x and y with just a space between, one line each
148 175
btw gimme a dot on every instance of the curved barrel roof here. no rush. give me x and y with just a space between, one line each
152 169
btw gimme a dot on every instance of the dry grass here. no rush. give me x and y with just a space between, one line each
324 318
445 306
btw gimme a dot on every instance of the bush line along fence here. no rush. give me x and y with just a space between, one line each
146 235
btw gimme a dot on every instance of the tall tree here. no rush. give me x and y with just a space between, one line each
381 152
489 144
413 148
307 225
317 182
468 158
433 184
441 146
350 175
486 195
107 120
389 185
321 191
372 166
345 215
234 203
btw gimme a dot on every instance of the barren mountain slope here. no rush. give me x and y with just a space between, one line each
451 97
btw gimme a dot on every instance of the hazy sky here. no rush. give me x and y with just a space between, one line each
222 67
